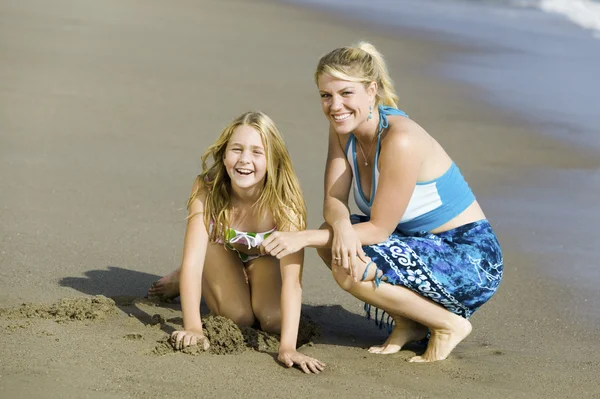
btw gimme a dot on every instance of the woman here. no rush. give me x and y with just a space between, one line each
423 251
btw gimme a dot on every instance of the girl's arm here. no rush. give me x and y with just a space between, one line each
291 299
190 278
291 306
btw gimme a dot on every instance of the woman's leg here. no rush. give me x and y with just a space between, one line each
447 329
404 331
224 285
264 277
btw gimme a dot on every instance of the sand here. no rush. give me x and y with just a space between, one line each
105 108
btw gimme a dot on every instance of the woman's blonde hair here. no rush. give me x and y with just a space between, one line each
360 63
281 194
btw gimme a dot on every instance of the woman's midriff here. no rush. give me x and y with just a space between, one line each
472 214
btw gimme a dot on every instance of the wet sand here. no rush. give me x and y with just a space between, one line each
105 109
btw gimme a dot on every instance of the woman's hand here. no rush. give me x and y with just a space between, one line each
307 364
282 243
181 339
346 248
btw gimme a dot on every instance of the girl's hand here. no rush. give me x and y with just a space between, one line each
182 339
346 248
307 364
282 243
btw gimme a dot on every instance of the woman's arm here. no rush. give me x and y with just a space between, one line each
338 181
400 160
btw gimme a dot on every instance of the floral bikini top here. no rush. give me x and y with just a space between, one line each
252 240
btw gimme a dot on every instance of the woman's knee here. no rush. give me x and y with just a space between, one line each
325 255
343 279
367 272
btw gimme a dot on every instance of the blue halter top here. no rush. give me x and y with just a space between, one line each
432 203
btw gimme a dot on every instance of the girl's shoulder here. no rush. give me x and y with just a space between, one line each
199 190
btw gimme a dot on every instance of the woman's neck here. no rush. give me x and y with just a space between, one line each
367 131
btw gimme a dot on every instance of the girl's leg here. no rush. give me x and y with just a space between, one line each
264 277
447 329
224 285
167 287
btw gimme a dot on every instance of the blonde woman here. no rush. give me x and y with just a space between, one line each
423 252
248 192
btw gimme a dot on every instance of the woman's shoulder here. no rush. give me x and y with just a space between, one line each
405 137
404 131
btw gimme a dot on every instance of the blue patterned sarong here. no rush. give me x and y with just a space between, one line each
459 269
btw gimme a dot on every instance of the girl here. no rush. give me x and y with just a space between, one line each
248 192
423 251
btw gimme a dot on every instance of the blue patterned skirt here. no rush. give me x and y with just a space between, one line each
459 269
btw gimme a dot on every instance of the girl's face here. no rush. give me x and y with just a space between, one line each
245 158
345 104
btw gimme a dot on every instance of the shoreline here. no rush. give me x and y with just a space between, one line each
534 81
117 127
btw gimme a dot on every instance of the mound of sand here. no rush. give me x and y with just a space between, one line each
96 307
227 338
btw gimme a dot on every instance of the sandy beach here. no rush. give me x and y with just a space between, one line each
105 109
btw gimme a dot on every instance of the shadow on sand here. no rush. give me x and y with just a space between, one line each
338 326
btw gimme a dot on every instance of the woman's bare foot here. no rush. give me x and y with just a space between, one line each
404 331
167 287
442 342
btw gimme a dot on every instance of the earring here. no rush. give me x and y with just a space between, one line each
370 113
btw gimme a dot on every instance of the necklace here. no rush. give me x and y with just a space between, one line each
363 152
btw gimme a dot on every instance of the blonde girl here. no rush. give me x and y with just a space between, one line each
423 250
248 192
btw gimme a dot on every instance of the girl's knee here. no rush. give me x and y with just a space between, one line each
270 320
240 316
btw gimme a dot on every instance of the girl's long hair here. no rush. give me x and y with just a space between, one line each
281 195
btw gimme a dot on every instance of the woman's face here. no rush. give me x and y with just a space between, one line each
344 103
245 158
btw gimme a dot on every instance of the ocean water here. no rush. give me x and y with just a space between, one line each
543 60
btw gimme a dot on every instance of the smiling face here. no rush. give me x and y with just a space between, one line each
344 103
245 158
